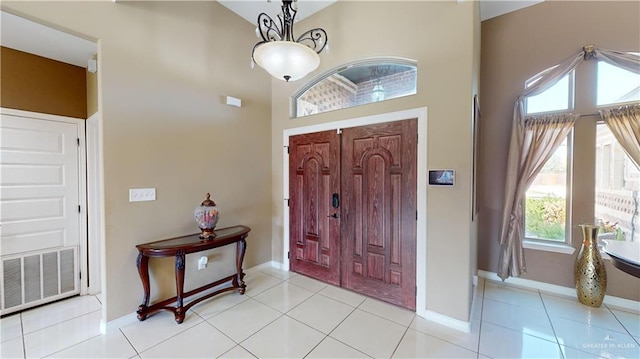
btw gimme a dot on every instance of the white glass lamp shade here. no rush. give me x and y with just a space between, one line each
284 59
378 93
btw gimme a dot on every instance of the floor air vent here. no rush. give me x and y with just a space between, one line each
37 278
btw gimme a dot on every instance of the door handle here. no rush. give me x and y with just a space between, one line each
335 215
335 200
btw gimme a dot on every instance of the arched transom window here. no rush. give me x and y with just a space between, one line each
357 83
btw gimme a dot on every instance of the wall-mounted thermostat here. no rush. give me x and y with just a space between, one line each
442 177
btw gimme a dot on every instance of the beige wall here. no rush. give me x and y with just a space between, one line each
440 36
515 47
164 68
33 83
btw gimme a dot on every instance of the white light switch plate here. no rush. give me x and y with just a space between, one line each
142 194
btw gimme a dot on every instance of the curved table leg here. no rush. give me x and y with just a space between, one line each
179 312
142 263
241 247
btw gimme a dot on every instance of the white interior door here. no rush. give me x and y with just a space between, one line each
39 210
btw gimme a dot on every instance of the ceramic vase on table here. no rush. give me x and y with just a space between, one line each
590 274
207 216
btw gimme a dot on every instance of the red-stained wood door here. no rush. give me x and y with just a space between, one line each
314 176
367 244
379 184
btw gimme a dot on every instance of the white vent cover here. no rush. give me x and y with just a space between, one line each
36 278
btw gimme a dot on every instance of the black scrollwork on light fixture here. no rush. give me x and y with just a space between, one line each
282 54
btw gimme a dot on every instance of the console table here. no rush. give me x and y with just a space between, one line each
180 247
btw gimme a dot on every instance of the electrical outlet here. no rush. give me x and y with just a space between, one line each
142 194
202 262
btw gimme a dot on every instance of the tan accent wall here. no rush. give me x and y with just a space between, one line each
515 47
164 69
37 84
440 36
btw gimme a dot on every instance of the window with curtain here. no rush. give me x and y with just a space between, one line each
616 85
617 194
558 98
617 202
548 198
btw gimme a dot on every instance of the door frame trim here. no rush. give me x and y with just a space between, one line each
95 204
421 192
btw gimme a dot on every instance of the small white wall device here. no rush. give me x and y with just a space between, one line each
233 101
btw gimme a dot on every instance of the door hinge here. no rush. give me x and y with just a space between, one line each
287 199
79 209
78 141
339 131
287 147
80 275
417 138
288 255
416 215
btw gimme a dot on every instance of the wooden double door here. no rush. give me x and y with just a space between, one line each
352 209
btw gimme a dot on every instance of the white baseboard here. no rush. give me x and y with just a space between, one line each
609 300
118 322
270 264
448 321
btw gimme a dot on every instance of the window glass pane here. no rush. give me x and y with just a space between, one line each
616 85
617 189
546 199
557 98
357 84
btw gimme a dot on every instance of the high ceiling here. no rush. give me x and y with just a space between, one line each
249 9
28 36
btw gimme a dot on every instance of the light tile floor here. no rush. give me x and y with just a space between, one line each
285 315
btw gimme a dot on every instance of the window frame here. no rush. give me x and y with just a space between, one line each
609 105
293 100
571 93
576 144
551 244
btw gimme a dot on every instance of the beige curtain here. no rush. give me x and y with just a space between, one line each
529 150
624 123
541 136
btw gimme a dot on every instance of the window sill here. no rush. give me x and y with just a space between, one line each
548 247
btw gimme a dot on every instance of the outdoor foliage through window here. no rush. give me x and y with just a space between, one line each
546 202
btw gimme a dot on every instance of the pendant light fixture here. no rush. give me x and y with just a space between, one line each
377 94
280 53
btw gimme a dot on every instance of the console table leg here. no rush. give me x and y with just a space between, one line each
241 247
142 263
179 313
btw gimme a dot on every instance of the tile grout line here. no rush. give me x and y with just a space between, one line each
58 323
129 341
223 333
622 324
24 344
400 341
342 321
555 334
484 287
